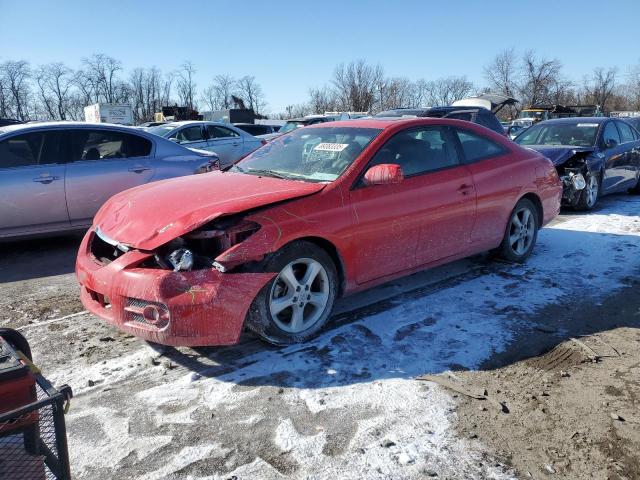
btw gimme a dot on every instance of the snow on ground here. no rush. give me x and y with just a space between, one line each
344 405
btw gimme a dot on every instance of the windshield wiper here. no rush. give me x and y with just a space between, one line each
268 173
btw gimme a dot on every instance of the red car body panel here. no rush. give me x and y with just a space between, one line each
134 220
375 233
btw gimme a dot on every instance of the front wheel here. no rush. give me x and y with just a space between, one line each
590 194
297 303
521 233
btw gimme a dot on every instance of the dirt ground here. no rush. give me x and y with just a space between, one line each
537 372
573 411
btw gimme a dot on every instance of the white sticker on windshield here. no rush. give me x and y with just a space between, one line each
331 147
587 124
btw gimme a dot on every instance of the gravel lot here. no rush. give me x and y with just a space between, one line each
347 405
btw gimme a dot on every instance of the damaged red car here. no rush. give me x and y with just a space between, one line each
324 211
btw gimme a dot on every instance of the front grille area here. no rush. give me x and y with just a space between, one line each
102 251
150 314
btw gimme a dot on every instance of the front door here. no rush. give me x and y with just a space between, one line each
101 163
32 184
224 142
425 218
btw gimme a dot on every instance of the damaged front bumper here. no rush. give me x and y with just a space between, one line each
573 182
187 308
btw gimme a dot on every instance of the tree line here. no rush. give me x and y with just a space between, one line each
57 92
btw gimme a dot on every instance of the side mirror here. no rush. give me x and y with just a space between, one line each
175 140
384 174
611 143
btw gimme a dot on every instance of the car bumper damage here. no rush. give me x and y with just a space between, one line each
573 182
180 308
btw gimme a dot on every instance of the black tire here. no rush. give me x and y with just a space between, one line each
636 190
585 202
506 250
259 317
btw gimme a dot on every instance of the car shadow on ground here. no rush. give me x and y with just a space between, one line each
491 315
35 258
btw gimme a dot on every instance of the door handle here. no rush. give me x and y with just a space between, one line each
139 169
46 179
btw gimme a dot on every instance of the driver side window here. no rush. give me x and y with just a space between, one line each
418 151
610 135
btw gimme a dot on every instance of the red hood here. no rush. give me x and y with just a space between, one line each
148 216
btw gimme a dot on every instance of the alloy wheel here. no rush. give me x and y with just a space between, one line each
522 229
299 295
592 191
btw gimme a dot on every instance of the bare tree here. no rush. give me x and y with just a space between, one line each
321 100
14 77
55 82
186 85
99 76
218 94
445 91
539 75
600 86
396 93
250 91
355 85
147 91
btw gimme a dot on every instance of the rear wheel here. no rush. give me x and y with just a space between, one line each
521 233
297 303
590 194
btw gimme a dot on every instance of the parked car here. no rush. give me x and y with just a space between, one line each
324 211
514 130
594 156
5 122
257 129
55 176
151 124
228 142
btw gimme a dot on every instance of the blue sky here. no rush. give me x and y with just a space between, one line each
292 45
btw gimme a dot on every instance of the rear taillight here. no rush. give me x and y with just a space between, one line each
210 166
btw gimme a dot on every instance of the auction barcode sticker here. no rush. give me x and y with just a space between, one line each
331 147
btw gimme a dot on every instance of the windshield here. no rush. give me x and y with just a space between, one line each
310 154
574 134
290 126
161 130
405 112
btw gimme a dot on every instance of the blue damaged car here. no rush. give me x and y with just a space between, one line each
594 156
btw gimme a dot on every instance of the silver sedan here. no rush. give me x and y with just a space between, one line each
228 142
55 176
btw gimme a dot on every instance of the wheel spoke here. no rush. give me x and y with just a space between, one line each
319 299
279 304
513 239
526 214
516 221
520 246
297 318
288 277
312 272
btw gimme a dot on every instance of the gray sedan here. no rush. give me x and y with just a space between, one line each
228 142
55 176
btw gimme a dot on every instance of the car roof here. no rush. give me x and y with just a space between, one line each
380 122
570 120
65 124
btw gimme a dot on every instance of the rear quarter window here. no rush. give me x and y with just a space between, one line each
477 147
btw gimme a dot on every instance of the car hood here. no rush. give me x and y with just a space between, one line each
560 154
148 216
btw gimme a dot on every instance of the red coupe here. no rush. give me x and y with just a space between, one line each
324 211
